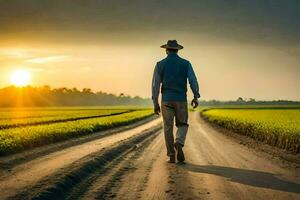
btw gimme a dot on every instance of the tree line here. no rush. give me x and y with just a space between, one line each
249 101
46 96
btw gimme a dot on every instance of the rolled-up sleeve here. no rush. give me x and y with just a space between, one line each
156 81
193 81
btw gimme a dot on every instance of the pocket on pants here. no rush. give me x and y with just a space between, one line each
181 114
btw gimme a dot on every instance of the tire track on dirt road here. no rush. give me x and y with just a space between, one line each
70 182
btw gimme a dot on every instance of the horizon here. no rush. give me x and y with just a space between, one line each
245 99
238 49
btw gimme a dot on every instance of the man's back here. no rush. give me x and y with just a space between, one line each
174 73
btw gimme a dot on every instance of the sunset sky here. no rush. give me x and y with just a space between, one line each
237 47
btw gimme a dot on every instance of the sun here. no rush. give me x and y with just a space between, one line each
20 78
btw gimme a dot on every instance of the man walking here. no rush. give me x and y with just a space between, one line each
172 73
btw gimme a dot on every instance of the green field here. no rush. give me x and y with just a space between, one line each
276 126
22 118
28 128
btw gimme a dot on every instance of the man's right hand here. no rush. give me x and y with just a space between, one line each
195 103
157 109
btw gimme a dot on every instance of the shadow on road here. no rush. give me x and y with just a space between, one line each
246 176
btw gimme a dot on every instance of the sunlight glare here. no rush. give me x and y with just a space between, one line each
20 77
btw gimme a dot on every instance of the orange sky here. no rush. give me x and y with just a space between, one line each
118 55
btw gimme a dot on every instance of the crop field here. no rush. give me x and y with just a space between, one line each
22 118
24 129
277 127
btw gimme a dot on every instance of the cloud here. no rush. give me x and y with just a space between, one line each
16 53
86 68
42 60
37 69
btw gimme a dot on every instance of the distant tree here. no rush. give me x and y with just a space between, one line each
75 89
46 88
251 100
240 99
86 90
61 90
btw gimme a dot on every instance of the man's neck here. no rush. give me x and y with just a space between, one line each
172 54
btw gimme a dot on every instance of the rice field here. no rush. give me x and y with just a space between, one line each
277 127
40 127
22 118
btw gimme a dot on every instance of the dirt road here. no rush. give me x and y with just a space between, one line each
132 165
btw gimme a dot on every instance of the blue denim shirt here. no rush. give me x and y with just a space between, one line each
172 73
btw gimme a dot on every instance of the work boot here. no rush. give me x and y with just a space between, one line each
180 154
172 159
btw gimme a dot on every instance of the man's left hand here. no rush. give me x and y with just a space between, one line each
194 103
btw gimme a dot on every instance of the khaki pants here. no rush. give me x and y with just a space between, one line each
178 110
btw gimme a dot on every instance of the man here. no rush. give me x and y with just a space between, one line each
173 73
